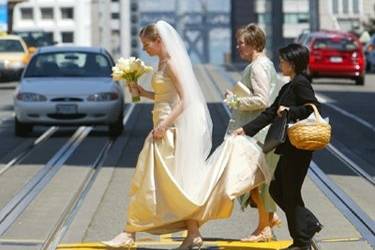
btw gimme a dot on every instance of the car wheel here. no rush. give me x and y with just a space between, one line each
116 128
22 129
360 80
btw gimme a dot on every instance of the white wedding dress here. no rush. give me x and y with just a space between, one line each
165 192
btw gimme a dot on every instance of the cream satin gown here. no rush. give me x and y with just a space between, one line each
158 204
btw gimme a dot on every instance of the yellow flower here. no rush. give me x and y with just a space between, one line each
129 69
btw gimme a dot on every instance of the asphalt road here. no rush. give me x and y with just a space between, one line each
69 157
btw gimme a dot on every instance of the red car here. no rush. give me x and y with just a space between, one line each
336 54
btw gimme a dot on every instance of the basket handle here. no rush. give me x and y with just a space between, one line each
316 112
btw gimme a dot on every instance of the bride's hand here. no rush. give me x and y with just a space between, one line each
281 109
238 131
141 90
228 93
159 132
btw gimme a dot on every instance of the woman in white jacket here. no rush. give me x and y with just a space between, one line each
261 79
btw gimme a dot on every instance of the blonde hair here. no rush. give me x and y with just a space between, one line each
150 32
253 35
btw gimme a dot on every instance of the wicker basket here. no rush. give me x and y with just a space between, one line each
310 135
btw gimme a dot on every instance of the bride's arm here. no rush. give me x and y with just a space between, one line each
178 108
146 93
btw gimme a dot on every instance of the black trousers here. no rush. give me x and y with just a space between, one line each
285 189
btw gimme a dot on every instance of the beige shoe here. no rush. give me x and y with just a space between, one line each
263 236
122 240
276 221
191 243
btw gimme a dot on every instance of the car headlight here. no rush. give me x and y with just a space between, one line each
30 97
103 97
8 64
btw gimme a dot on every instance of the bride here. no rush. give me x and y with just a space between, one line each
176 186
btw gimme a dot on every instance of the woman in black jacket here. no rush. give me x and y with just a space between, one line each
293 164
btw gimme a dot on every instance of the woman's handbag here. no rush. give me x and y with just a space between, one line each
310 134
276 134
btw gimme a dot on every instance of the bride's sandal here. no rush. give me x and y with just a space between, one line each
256 231
275 222
121 240
263 236
191 243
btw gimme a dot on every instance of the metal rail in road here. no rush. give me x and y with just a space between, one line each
67 217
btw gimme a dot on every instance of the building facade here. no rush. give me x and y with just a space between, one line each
295 16
102 23
66 21
345 15
111 28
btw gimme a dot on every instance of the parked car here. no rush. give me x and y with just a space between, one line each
36 39
302 37
370 54
69 86
14 55
336 54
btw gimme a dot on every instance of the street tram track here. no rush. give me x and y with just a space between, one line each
14 208
28 149
67 217
25 196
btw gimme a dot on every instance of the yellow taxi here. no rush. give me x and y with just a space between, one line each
14 56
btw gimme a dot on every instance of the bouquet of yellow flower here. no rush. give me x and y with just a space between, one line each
232 101
130 70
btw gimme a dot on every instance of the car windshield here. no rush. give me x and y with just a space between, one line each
10 45
335 44
69 64
36 39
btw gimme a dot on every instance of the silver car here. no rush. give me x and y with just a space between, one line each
69 86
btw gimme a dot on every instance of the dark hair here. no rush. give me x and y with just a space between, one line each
253 35
297 55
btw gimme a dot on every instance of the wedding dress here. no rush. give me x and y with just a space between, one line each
165 192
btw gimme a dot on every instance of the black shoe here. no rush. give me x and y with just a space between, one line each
297 248
318 227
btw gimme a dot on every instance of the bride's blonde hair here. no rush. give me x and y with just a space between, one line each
150 32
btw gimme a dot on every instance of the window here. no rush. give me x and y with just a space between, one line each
264 18
335 6
27 13
356 6
115 15
69 64
295 18
36 38
335 44
67 37
345 6
47 13
49 37
8 45
67 13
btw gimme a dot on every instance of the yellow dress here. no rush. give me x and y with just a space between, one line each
158 204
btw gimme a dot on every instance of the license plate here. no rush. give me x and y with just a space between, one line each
66 109
336 59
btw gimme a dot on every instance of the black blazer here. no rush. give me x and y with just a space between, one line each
294 95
